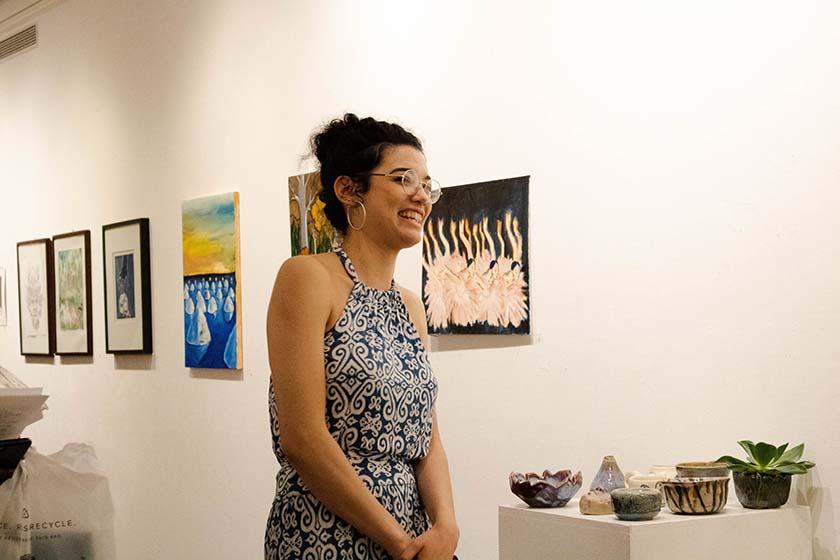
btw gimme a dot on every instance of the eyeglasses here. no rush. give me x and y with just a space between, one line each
411 183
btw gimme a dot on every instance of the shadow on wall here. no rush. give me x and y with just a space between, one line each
808 493
45 360
137 362
76 360
475 341
219 374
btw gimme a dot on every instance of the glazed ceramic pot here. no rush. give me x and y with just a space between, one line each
702 469
667 471
696 496
609 476
651 481
547 490
636 504
762 491
596 502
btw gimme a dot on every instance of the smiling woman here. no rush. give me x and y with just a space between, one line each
346 343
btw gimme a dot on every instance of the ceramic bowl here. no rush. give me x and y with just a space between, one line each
547 490
636 504
696 496
701 469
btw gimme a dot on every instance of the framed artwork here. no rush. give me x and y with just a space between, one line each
311 231
128 287
73 314
3 297
475 260
212 287
36 297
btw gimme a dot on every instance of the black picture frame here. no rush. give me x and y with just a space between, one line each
146 347
48 267
88 351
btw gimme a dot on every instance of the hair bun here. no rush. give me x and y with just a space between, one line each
352 146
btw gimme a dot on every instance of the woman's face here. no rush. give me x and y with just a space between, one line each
393 216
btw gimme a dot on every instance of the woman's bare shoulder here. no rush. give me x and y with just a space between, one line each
307 268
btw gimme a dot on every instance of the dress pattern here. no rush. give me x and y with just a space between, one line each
380 393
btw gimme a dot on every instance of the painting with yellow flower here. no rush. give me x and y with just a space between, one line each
311 231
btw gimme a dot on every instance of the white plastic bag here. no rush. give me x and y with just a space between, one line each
57 507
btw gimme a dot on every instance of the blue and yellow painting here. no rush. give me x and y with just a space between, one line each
212 318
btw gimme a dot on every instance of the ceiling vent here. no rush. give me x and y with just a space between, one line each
18 42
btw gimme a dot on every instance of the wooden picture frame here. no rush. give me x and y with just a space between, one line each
127 287
73 294
36 297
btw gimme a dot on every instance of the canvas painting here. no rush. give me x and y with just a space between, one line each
127 283
73 293
311 231
212 288
475 260
36 297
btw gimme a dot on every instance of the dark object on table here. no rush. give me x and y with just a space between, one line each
11 452
546 490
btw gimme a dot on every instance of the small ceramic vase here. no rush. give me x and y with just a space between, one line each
636 504
596 502
609 477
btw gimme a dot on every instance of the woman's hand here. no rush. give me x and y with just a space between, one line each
438 543
408 551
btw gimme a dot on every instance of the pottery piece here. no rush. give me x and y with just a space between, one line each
609 476
547 490
667 471
701 469
696 496
762 491
596 502
652 481
636 504
645 480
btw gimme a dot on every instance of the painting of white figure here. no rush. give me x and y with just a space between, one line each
475 260
212 317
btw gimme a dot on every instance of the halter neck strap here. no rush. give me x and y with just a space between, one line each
348 265
351 270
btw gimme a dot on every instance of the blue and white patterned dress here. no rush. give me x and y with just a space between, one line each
380 396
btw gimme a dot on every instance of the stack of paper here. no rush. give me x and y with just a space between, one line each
20 405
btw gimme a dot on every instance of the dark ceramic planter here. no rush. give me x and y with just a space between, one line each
761 491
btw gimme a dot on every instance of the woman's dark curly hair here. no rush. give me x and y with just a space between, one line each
352 146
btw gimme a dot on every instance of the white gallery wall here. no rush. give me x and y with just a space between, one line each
685 189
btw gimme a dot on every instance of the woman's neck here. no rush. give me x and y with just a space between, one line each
373 263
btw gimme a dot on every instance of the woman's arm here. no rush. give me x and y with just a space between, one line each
297 315
435 485
432 471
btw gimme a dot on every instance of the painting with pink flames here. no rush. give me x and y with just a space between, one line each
475 260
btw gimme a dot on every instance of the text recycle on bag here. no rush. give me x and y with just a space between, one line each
57 507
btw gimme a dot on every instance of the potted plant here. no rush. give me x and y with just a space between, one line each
763 481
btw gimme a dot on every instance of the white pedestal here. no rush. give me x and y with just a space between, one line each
735 532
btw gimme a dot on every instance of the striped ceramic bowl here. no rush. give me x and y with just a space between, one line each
696 496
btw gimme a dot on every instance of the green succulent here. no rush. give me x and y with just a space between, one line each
769 459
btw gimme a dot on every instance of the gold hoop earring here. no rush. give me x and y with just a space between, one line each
364 216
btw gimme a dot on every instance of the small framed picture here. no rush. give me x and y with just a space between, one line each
3 297
36 297
73 315
128 287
